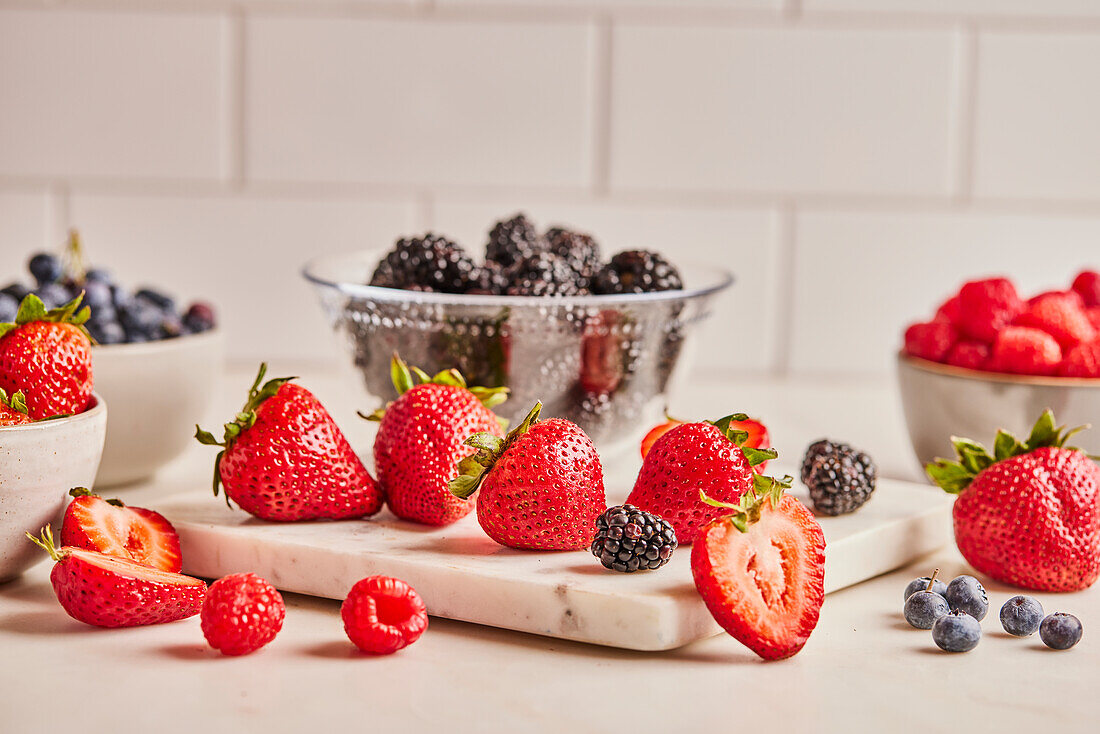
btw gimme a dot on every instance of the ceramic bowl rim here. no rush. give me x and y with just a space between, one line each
721 279
159 345
948 370
90 414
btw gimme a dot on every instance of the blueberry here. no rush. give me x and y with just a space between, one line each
956 631
98 275
921 584
120 296
97 294
923 608
967 594
140 318
8 308
1060 631
161 301
1021 615
45 268
53 295
107 332
199 317
18 291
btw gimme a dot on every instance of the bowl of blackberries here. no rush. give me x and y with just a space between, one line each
155 362
600 341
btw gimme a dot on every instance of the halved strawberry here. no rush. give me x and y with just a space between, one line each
133 533
757 436
761 571
104 591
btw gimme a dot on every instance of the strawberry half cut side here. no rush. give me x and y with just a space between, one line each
761 571
133 533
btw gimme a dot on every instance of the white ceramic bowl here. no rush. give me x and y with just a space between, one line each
941 401
39 463
157 391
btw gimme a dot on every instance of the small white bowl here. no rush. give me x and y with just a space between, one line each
157 391
39 463
941 401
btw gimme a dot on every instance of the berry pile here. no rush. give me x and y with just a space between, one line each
954 613
117 316
988 326
840 478
521 261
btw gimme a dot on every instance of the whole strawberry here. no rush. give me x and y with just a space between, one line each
714 458
541 487
108 526
241 614
761 570
1029 515
105 591
284 458
13 410
48 355
420 441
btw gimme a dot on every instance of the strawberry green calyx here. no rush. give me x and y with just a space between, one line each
32 309
749 506
45 542
85 492
405 378
738 438
973 458
243 420
17 401
473 468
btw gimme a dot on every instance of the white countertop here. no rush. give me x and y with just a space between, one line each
864 668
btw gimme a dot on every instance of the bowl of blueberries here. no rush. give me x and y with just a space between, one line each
600 341
157 365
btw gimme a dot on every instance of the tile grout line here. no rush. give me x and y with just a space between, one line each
600 90
966 95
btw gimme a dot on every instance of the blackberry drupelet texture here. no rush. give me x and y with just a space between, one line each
579 251
637 271
543 274
428 263
513 240
628 539
841 479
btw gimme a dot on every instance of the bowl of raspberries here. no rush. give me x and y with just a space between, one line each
599 340
989 358
156 362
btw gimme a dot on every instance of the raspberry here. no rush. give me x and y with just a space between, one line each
1061 315
241 614
1087 285
987 306
1026 351
931 340
1082 361
948 311
382 615
968 354
1094 317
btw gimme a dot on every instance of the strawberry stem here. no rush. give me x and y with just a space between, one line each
473 469
405 378
46 543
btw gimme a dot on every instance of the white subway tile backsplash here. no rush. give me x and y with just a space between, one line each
243 253
112 94
622 4
783 109
744 241
862 277
418 101
24 226
991 8
1038 111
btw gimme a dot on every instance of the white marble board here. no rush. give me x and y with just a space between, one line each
462 574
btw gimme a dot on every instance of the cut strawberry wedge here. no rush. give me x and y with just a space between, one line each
110 527
763 584
758 436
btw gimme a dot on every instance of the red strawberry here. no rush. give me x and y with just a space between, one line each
693 457
13 410
241 614
1030 514
1094 317
757 436
1087 284
105 591
656 432
1025 351
1062 316
108 526
285 459
383 615
968 354
949 310
1073 296
1082 361
541 486
761 571
48 355
986 306
931 341
420 441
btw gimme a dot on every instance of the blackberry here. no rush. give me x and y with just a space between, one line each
840 478
629 540
428 263
543 274
512 241
490 280
578 250
637 271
